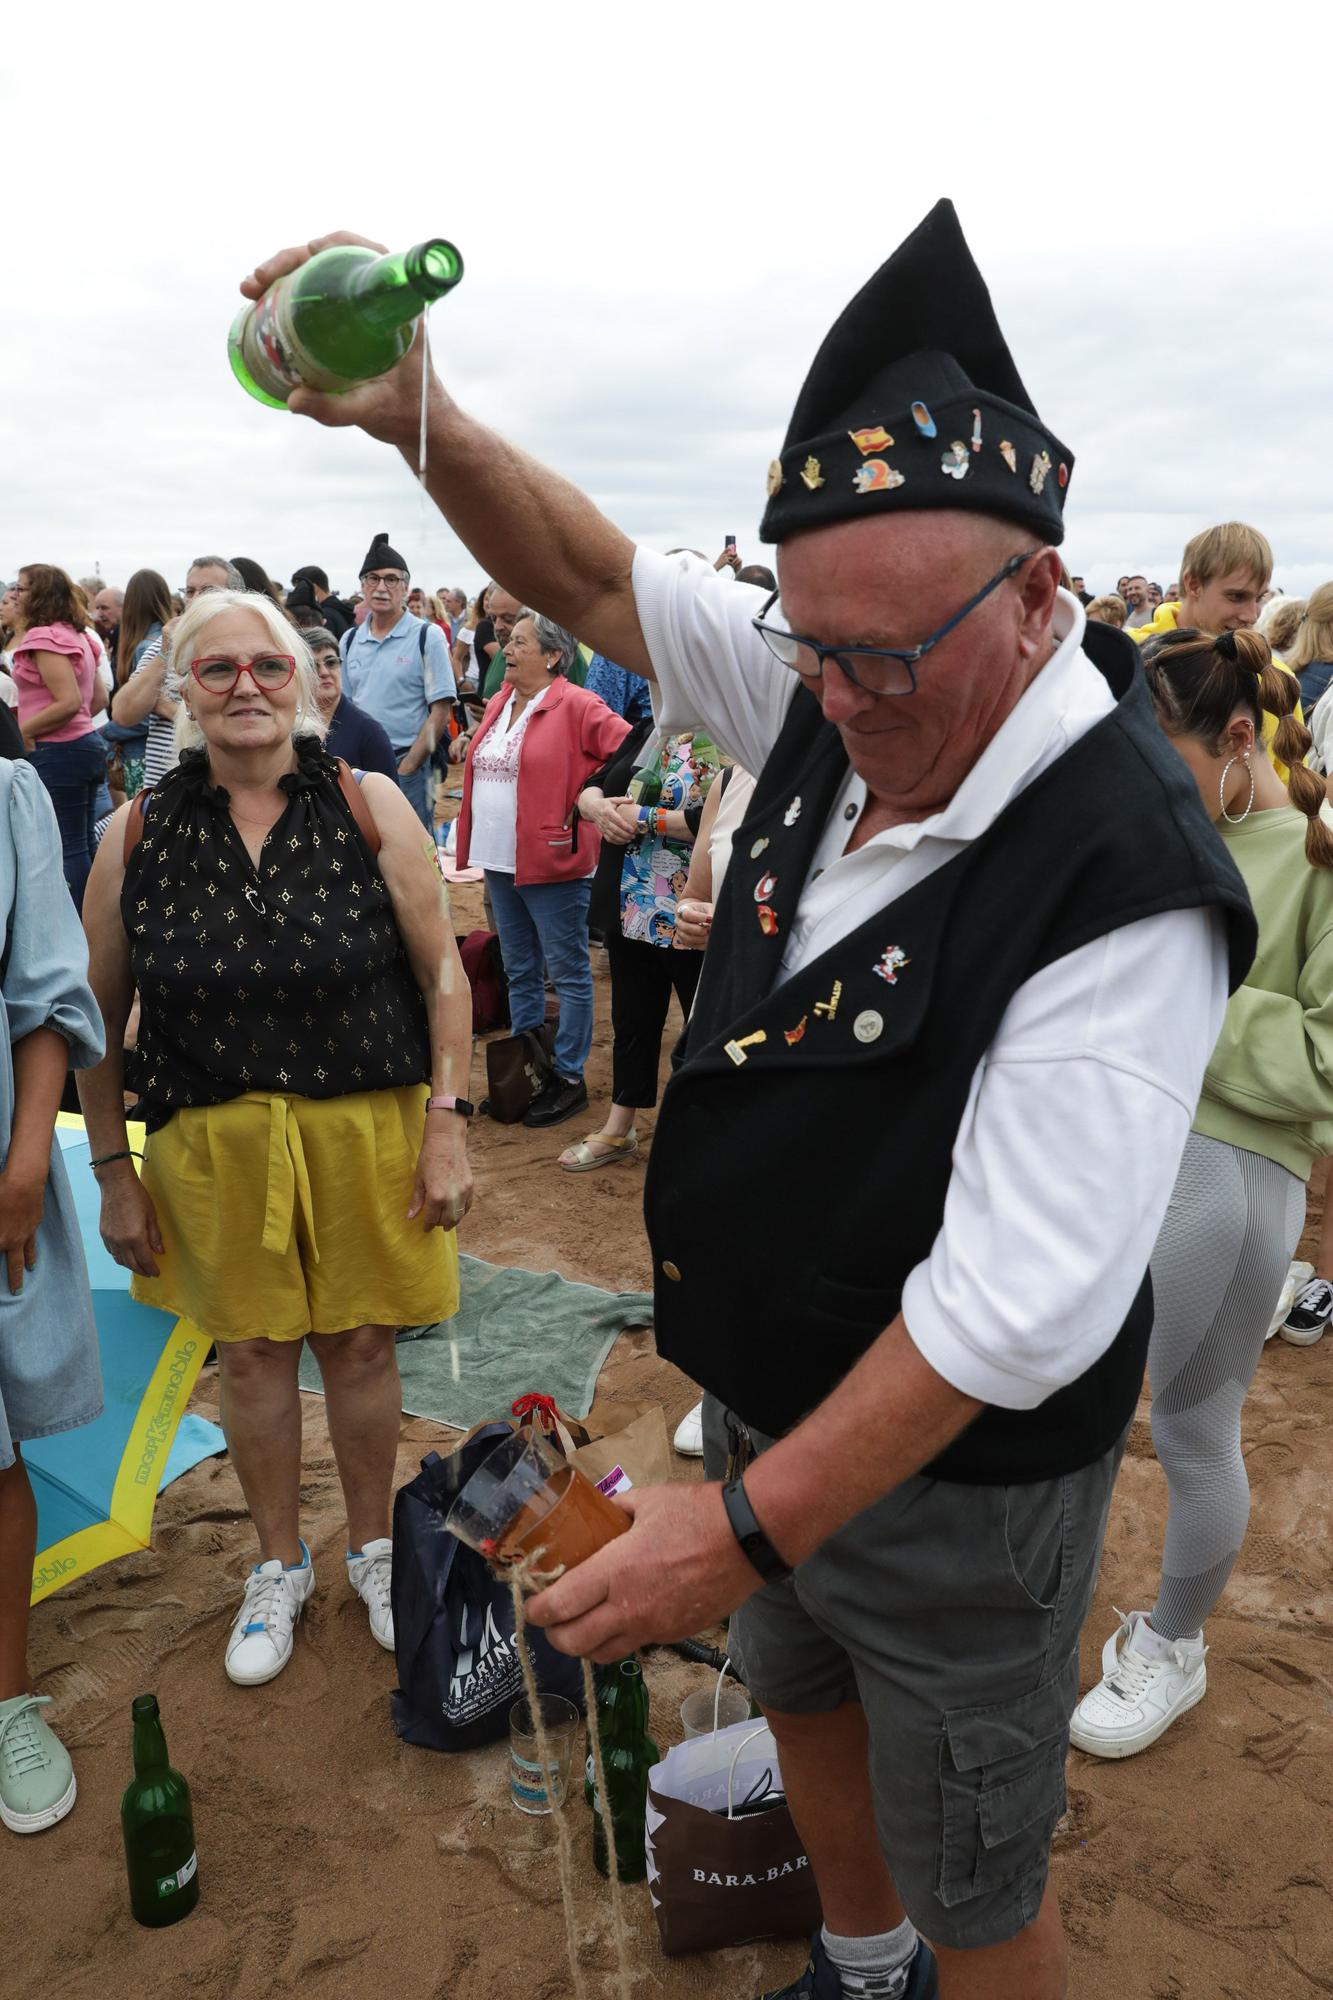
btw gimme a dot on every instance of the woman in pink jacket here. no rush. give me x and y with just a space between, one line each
534 750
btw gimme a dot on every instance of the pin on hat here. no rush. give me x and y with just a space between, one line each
976 430
1041 465
775 477
891 962
872 437
793 812
791 1036
868 1026
764 888
768 920
758 848
1008 454
923 420
876 476
812 475
955 460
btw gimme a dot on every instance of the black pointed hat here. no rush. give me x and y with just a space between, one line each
380 556
913 400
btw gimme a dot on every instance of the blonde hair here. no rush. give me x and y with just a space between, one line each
1109 610
1197 683
1314 640
1279 621
1217 551
187 647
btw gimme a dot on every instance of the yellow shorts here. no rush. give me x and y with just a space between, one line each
283 1216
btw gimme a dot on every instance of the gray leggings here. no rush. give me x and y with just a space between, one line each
1218 1268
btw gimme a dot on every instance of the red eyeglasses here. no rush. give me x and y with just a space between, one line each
271 671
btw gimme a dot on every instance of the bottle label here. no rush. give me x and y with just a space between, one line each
167 1885
590 1773
273 354
617 1480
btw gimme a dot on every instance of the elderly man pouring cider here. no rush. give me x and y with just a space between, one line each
971 955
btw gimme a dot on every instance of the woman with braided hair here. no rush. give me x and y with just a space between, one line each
1239 1200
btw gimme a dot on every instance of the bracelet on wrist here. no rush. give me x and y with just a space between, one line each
107 1158
755 1546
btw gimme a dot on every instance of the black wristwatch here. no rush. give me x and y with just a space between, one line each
758 1551
461 1105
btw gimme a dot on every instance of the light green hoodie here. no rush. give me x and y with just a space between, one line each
1269 1083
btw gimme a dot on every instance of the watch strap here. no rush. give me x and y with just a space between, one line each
758 1551
448 1102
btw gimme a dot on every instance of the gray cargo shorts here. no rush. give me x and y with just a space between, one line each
952 1614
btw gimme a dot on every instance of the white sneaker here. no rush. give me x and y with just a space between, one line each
689 1438
1297 1276
1138 1697
261 1639
369 1571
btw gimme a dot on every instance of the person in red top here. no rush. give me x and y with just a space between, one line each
55 670
535 748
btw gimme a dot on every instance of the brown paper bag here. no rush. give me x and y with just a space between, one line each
638 1448
716 1881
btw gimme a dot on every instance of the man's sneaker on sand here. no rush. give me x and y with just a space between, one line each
689 1438
1310 1314
261 1639
36 1777
1141 1691
820 1980
368 1571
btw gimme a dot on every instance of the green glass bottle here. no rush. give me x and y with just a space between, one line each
629 1753
158 1827
645 786
343 318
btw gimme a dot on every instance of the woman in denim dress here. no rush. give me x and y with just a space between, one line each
50 1379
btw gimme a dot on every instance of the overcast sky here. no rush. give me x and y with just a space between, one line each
661 209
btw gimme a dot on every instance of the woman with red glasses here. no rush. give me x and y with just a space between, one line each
299 989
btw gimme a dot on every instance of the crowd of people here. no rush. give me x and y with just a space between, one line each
1062 901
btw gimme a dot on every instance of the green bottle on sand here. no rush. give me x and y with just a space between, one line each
628 1753
158 1827
343 318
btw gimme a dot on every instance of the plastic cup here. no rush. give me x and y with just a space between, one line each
534 1788
696 1711
526 1504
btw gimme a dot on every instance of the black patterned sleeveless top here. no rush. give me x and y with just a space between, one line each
289 976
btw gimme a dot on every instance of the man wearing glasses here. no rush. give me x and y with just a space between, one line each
971 955
397 669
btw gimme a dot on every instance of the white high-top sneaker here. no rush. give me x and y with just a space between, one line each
1140 1693
261 1639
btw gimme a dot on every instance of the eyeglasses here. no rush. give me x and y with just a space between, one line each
876 669
374 576
270 672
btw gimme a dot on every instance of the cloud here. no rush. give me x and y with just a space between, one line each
659 218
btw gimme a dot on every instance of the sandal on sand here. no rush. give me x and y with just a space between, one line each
581 1159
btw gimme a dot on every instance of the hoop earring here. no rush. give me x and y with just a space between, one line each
1234 819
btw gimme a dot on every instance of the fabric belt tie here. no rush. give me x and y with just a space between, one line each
288 1181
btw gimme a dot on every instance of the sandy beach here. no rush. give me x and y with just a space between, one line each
338 1863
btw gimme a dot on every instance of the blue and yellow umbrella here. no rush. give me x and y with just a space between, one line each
96 1486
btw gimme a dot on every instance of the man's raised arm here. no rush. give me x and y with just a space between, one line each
528 528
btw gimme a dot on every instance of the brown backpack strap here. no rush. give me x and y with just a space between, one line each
134 824
357 806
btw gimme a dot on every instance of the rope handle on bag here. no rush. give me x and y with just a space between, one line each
731 1768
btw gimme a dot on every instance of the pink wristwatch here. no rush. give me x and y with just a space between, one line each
461 1105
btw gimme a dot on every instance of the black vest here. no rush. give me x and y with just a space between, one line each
803 1154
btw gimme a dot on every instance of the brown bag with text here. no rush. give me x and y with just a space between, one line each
725 1868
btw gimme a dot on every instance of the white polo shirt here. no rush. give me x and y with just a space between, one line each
1078 1113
